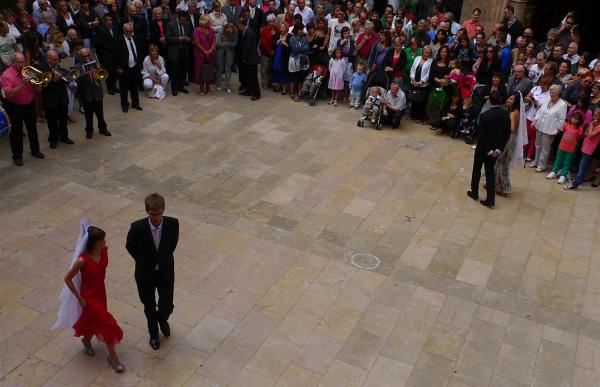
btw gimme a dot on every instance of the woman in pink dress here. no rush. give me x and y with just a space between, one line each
95 318
205 44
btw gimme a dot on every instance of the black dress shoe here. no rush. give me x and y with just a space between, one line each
254 98
137 107
472 195
184 90
106 133
155 343
111 92
117 90
18 162
53 144
186 83
165 328
125 109
89 135
38 155
244 93
486 203
174 92
68 141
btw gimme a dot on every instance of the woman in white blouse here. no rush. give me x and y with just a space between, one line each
154 74
419 78
549 120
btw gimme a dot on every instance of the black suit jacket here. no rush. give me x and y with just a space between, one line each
196 20
104 43
61 23
89 90
121 53
175 48
155 36
55 94
140 246
248 52
494 130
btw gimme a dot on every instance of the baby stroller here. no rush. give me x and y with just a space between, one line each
380 79
478 100
313 93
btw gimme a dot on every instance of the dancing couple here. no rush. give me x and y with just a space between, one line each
151 242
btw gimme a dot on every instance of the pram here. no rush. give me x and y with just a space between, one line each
478 100
380 79
313 92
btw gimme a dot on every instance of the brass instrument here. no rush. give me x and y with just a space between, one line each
100 74
68 75
36 77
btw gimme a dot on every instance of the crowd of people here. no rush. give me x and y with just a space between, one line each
438 70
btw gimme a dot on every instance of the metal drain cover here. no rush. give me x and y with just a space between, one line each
365 261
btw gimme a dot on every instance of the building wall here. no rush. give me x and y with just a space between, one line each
492 11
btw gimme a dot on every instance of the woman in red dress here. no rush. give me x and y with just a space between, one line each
94 318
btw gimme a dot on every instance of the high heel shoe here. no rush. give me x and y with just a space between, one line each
118 367
87 348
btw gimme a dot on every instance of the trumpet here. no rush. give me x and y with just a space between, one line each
68 75
100 74
36 77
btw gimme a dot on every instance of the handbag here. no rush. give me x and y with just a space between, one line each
417 95
208 72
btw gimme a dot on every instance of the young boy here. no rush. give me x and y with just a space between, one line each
357 81
311 83
372 104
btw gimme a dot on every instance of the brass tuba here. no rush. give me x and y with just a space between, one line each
36 77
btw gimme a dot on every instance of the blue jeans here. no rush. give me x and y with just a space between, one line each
224 63
583 167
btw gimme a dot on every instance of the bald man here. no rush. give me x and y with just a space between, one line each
91 95
55 102
19 105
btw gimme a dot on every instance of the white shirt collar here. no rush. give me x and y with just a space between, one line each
156 228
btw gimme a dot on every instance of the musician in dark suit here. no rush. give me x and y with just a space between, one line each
91 95
179 37
494 130
128 65
55 102
103 38
151 242
248 60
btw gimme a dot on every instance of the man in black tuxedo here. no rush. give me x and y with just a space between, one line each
248 60
179 37
151 242
55 102
91 96
494 130
128 65
103 38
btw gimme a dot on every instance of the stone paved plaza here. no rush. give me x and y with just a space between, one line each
273 198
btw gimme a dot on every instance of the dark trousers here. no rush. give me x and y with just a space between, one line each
177 72
111 80
20 114
57 123
91 108
393 118
128 83
242 74
251 80
488 163
147 292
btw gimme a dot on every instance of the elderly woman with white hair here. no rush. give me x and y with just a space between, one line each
155 74
268 37
549 120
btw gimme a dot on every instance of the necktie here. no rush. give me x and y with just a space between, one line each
180 30
133 50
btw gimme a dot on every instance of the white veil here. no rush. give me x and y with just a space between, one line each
518 158
70 310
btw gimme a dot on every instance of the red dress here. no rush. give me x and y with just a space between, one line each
95 319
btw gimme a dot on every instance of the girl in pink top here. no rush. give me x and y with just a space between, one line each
590 142
572 132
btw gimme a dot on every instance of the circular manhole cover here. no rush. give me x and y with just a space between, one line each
365 261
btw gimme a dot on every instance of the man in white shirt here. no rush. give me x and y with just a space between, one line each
335 29
307 14
572 56
394 106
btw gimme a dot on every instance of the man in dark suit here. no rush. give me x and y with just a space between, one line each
91 95
257 17
103 38
151 242
128 64
55 102
193 19
179 36
494 130
512 25
248 60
